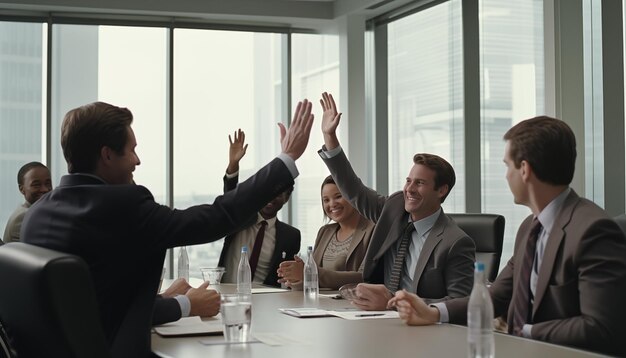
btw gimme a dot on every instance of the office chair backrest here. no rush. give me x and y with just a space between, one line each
621 221
48 304
487 231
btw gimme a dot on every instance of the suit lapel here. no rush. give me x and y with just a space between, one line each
395 230
552 248
433 239
357 237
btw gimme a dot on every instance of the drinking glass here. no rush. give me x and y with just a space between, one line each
236 311
213 275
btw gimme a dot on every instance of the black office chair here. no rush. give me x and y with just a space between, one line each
487 231
48 304
621 221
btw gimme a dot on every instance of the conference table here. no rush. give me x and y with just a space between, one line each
337 337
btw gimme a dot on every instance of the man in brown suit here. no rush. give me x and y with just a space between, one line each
566 281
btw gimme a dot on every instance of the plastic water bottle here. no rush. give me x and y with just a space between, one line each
244 277
311 283
480 318
183 263
283 284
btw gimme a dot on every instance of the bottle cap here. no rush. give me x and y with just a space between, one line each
479 266
244 248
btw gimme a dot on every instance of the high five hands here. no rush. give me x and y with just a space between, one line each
295 139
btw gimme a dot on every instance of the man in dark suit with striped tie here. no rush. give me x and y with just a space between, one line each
414 245
566 281
269 240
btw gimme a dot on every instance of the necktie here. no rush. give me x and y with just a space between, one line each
398 264
521 301
256 249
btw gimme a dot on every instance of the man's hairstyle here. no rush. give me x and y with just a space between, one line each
444 173
548 145
25 169
87 129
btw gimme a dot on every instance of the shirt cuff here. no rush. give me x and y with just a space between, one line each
230 176
443 312
526 330
185 305
290 163
327 154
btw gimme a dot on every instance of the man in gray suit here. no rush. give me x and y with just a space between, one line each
566 281
414 246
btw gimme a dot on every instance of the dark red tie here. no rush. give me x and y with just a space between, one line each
256 250
521 301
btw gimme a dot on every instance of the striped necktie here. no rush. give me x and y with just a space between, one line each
521 301
398 263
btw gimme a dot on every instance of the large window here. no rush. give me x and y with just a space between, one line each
512 82
315 69
425 94
124 66
222 81
22 74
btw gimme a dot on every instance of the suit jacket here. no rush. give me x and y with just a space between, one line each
165 310
14 224
581 285
122 234
446 263
287 240
352 268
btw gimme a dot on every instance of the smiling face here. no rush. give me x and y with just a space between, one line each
273 207
37 182
122 165
335 206
421 199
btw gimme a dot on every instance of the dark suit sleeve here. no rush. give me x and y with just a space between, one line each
165 310
163 227
601 294
230 183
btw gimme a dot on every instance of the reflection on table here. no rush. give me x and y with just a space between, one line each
335 337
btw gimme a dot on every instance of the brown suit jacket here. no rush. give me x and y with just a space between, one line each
581 288
351 271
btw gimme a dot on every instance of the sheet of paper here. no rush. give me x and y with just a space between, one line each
277 339
303 312
268 290
359 315
216 342
191 326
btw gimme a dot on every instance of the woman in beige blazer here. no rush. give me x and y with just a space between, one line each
340 246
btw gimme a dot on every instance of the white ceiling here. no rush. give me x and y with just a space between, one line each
319 15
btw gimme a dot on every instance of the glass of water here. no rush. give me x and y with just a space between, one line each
236 312
213 275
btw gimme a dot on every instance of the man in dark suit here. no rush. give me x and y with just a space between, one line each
434 257
269 240
566 281
182 300
97 213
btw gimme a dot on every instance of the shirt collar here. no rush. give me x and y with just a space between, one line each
270 221
424 225
91 176
547 216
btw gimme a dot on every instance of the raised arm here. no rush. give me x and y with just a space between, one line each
330 121
295 140
236 150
